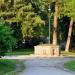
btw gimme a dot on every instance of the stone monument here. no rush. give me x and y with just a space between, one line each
46 50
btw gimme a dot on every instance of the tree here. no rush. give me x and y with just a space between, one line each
12 3
25 18
69 11
55 23
7 41
69 35
31 22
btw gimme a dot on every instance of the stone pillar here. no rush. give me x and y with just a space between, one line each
56 50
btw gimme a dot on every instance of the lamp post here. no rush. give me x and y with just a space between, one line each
49 9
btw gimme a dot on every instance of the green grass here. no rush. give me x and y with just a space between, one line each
7 65
67 53
21 52
70 65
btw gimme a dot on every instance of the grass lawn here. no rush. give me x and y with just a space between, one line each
70 65
67 53
21 52
31 51
7 66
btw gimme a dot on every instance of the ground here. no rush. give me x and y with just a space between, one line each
43 65
7 67
46 66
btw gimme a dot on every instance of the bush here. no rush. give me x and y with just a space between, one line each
7 41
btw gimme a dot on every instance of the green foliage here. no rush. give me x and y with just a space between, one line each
70 65
7 41
41 7
21 52
66 12
68 8
30 21
42 4
7 66
23 14
32 24
29 18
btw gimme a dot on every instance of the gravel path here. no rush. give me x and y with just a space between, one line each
45 66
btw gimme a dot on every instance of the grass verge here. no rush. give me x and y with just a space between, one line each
8 66
67 53
20 52
70 65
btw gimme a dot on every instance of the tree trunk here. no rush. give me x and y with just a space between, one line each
55 23
69 36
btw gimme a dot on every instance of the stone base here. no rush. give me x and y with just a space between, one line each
47 50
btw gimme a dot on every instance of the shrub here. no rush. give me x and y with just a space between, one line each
7 41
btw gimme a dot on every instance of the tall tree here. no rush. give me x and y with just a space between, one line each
55 23
68 9
23 15
69 35
70 12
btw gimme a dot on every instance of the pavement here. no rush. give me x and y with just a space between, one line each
34 56
46 66
43 65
